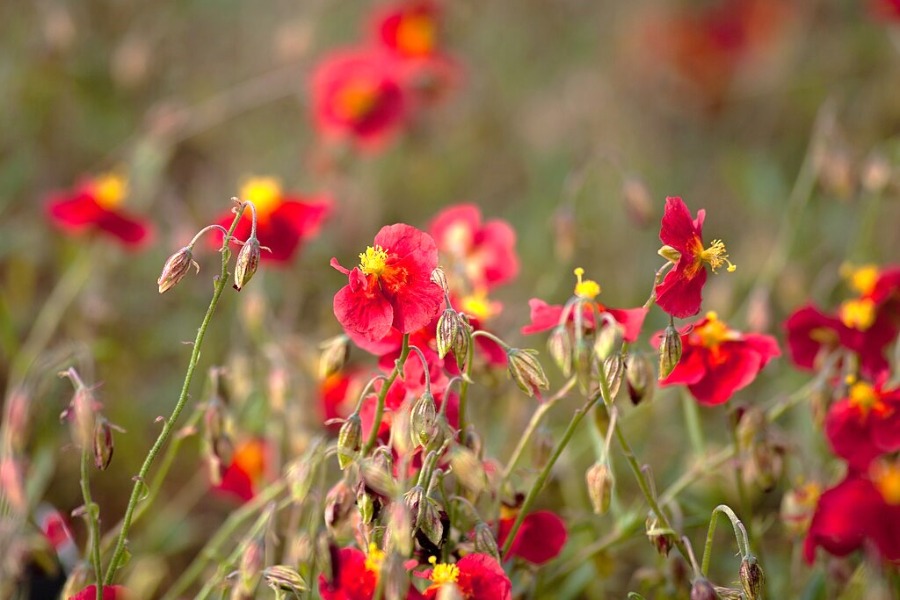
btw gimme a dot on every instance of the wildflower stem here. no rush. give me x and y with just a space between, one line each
425 368
740 535
464 387
169 424
203 231
692 422
382 395
92 519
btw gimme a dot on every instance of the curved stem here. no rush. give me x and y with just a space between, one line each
92 521
425 368
203 231
379 408
740 534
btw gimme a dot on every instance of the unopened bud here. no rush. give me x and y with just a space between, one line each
453 334
177 266
751 425
485 542
429 521
559 344
285 579
526 370
766 465
338 504
614 369
365 505
440 278
250 569
219 441
609 339
378 477
335 353
599 486
661 538
247 263
702 589
422 419
413 498
349 440
752 578
669 352
103 443
639 377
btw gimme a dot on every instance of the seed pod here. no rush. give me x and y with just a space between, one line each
599 486
422 419
335 353
247 263
349 440
103 443
639 378
752 578
177 266
559 344
526 370
669 352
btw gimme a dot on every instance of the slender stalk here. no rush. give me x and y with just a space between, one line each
169 424
92 519
740 535
692 422
379 408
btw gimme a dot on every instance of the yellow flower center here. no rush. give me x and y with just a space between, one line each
250 457
264 193
356 99
717 256
587 289
858 314
110 190
886 477
479 305
443 573
458 239
714 332
373 260
862 278
415 34
374 559
864 397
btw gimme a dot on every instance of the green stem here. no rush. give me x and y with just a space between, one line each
740 535
692 422
92 518
169 424
379 407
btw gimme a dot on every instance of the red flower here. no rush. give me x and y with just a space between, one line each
476 577
94 205
811 334
680 292
248 468
110 592
282 221
885 9
546 316
864 506
357 94
717 361
540 538
865 424
354 575
392 285
481 256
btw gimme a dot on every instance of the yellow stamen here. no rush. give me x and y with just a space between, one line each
356 99
886 477
443 573
479 305
862 278
415 34
373 260
864 397
110 190
264 193
714 332
858 314
374 559
588 288
717 256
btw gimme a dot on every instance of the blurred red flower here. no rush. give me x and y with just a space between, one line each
546 316
392 285
95 205
475 576
680 292
354 575
717 361
865 424
885 9
247 470
282 221
540 538
110 592
357 95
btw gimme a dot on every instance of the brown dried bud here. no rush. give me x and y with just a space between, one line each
669 352
422 420
599 486
349 440
702 589
284 578
335 353
526 370
639 378
752 578
247 263
559 344
103 443
453 333
177 266
485 542
218 440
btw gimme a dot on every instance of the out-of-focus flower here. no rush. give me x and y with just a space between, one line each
865 424
888 10
475 577
110 592
283 220
357 95
540 538
247 470
680 292
354 575
546 316
480 256
812 335
96 205
392 285
717 361
798 506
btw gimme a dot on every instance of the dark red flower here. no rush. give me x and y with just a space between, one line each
885 9
110 592
392 285
680 292
95 205
540 538
475 576
865 424
717 361
811 335
247 470
354 575
864 506
282 221
357 95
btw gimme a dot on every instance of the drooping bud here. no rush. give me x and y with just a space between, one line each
453 333
639 378
662 538
349 440
334 355
485 542
103 443
526 370
177 266
247 263
365 505
599 486
250 569
285 579
422 419
752 578
429 521
614 368
669 352
338 504
413 498
440 278
559 344
702 589
377 475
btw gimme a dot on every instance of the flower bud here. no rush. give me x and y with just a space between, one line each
349 440
439 278
599 486
702 589
614 368
662 539
750 427
365 505
485 542
639 378
453 334
338 504
285 579
609 339
247 263
526 370
559 344
429 521
335 353
250 569
177 266
378 477
103 443
422 419
218 440
752 578
413 498
669 352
